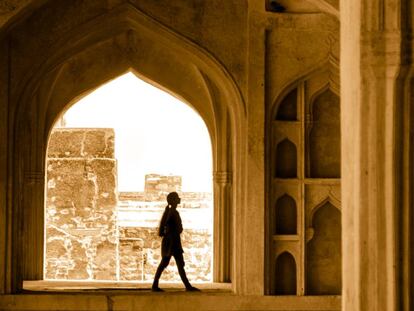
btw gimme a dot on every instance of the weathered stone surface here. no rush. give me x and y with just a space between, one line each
140 255
88 143
81 229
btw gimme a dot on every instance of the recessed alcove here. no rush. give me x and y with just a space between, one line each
285 275
285 216
324 145
287 110
286 160
323 259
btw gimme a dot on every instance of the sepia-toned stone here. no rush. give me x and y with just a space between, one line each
81 205
232 61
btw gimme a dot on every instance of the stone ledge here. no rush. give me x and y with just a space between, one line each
81 286
167 301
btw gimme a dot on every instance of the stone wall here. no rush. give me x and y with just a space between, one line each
140 254
86 233
81 200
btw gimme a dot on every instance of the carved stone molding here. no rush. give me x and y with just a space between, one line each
222 177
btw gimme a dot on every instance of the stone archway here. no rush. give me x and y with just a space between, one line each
92 54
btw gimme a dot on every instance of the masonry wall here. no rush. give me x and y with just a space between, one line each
140 255
81 227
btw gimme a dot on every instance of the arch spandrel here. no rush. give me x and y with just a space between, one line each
136 34
134 42
71 84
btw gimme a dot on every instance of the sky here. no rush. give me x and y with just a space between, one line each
154 132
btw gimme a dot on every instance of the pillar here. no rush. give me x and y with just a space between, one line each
222 226
374 71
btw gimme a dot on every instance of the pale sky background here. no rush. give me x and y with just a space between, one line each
154 133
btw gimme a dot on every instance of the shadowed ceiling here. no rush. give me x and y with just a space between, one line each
12 10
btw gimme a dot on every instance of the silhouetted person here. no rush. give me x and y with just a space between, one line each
170 230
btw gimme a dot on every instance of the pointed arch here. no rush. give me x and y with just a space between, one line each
330 66
93 53
323 256
286 159
323 145
285 215
285 275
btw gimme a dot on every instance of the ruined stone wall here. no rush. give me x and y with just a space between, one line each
140 255
81 200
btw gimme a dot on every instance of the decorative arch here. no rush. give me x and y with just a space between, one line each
329 66
88 56
329 199
286 159
323 137
309 83
285 215
285 275
323 256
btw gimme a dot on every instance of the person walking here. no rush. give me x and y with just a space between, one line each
170 229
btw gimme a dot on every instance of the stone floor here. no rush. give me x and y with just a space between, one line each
99 295
128 287
170 300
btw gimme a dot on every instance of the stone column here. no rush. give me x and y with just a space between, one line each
253 233
222 226
373 69
32 221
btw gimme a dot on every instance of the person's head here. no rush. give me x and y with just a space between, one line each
173 199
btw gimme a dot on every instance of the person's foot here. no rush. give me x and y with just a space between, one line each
192 289
156 289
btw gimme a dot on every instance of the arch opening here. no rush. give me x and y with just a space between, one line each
101 225
286 159
285 275
324 254
324 144
285 215
89 56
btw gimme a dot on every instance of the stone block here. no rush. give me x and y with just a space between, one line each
77 143
81 235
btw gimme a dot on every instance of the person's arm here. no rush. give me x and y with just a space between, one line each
179 224
162 230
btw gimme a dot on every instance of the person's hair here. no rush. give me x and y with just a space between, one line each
163 222
171 196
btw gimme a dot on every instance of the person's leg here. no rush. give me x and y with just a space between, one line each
179 260
163 264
